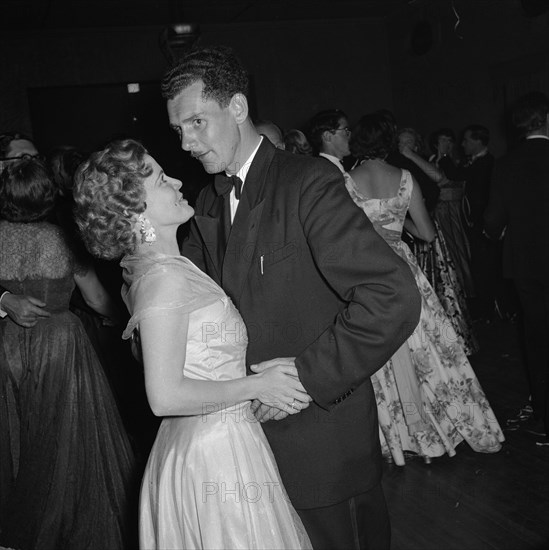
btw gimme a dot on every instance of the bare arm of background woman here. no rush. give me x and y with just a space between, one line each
95 295
420 224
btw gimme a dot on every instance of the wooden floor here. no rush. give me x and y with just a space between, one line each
477 501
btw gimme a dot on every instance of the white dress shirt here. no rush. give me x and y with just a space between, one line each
242 173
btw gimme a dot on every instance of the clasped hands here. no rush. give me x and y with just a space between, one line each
281 391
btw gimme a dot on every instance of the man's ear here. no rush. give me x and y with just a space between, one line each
327 136
239 107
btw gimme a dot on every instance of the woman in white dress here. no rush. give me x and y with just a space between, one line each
211 480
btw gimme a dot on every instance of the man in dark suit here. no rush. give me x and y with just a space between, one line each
329 134
312 280
476 172
519 210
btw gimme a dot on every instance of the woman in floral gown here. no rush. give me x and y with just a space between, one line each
435 258
429 398
211 480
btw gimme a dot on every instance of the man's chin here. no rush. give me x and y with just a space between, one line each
212 168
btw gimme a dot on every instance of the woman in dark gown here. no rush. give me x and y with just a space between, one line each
65 460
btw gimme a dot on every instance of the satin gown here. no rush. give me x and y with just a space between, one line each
211 480
429 398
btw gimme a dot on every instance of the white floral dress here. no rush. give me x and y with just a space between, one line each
429 398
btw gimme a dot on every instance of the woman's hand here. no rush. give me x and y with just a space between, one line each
278 385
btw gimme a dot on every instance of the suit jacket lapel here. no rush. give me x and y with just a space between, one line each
211 227
243 236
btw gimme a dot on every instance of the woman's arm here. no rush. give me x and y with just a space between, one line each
420 224
427 167
95 295
170 393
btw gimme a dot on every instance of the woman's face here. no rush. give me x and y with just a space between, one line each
406 139
445 144
165 203
303 144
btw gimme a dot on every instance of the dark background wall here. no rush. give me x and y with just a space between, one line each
297 67
477 64
467 72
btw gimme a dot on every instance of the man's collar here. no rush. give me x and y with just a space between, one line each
333 160
243 171
537 136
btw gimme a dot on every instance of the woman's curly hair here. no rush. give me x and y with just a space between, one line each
109 194
372 137
27 191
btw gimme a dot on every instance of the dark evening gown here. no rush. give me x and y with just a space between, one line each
66 464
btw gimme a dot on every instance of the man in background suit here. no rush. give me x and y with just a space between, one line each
476 172
329 134
312 280
519 211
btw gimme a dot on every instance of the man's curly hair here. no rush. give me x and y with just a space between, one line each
217 67
109 195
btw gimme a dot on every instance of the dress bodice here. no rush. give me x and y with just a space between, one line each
387 214
216 338
35 260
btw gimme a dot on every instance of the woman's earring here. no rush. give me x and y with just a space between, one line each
148 234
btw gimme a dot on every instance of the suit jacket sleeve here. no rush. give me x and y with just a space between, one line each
495 215
383 302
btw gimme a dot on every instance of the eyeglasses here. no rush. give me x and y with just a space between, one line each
36 156
346 129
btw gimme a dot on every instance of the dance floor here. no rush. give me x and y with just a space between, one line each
476 501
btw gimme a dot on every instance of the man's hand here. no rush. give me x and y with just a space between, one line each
24 310
280 386
264 413
269 406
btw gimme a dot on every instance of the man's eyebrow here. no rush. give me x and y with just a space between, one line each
198 114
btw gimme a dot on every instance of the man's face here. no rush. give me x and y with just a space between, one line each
210 132
471 146
340 139
19 148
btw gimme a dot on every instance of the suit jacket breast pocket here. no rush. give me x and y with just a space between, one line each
279 260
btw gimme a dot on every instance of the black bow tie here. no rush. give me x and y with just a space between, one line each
224 184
